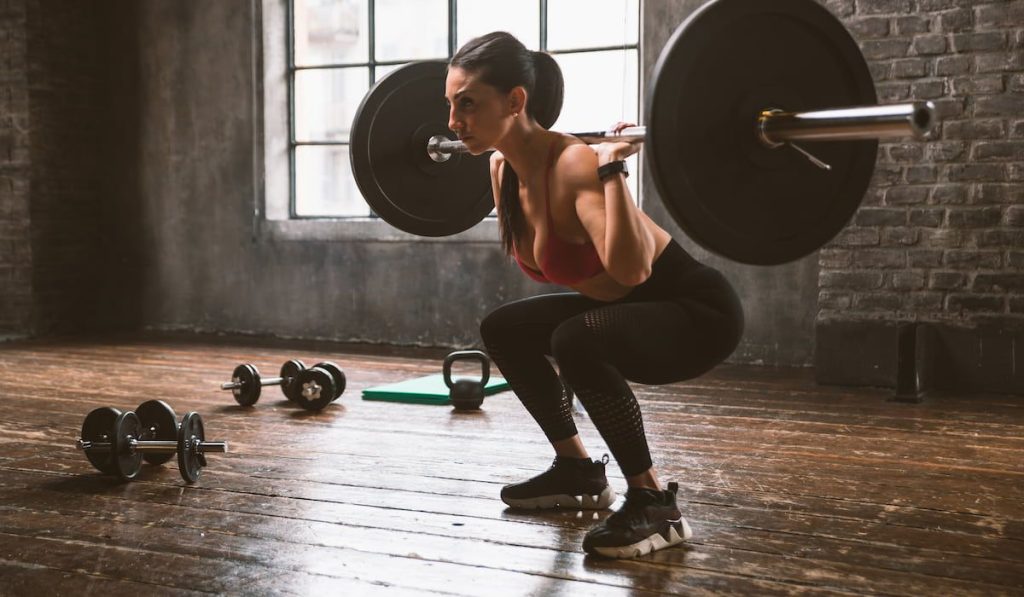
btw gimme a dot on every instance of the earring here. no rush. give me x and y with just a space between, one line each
515 115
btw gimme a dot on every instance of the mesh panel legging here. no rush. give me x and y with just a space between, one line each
677 325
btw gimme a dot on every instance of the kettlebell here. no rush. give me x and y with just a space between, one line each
466 394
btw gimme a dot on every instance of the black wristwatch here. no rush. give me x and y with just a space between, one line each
611 169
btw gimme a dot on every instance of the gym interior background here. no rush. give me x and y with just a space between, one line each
133 197
141 151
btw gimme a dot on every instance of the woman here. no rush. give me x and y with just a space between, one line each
642 310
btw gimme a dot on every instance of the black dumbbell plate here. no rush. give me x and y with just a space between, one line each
336 374
97 427
249 377
126 463
288 372
158 416
314 389
190 462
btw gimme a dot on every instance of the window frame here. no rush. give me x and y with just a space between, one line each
320 222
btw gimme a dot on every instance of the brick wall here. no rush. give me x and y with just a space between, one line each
64 86
940 236
15 245
50 131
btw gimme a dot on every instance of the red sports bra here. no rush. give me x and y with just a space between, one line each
562 262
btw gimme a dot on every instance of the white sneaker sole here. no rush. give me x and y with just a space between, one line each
571 502
648 545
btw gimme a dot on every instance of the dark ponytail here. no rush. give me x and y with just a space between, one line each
549 90
502 61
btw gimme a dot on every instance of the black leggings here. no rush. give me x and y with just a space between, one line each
681 322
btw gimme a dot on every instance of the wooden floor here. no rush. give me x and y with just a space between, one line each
789 487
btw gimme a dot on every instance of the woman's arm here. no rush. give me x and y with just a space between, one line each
611 218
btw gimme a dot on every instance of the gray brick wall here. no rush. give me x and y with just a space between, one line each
15 239
940 235
64 86
50 131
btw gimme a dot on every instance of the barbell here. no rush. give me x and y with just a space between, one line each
737 86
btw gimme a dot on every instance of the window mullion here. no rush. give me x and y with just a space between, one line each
291 108
543 25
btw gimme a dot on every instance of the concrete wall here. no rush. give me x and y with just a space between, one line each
204 258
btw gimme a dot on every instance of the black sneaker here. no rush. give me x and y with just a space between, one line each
649 520
569 483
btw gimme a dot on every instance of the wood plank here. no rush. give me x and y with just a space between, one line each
223 539
791 487
29 578
359 534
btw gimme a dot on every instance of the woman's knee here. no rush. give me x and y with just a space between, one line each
573 341
500 324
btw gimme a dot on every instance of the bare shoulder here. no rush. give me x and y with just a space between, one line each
577 164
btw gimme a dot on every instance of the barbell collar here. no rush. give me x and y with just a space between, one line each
775 127
913 119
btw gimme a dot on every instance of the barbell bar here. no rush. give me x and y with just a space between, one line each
736 82
775 127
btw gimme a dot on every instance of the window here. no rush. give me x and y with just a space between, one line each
338 48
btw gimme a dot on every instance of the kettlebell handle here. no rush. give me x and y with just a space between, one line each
464 355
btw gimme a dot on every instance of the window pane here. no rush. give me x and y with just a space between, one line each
411 29
326 102
601 88
324 185
521 19
592 23
384 69
331 31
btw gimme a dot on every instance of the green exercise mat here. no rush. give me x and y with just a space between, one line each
429 389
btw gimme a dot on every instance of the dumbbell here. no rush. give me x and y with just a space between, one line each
158 423
466 394
318 386
113 441
246 383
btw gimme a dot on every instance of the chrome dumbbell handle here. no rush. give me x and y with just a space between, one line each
264 381
155 447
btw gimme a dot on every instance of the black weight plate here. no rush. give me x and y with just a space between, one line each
389 156
98 426
730 60
337 375
314 389
190 462
249 377
127 462
288 372
159 423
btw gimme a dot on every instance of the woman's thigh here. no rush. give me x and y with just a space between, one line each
530 322
651 342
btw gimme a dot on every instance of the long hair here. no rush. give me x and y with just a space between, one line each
503 62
